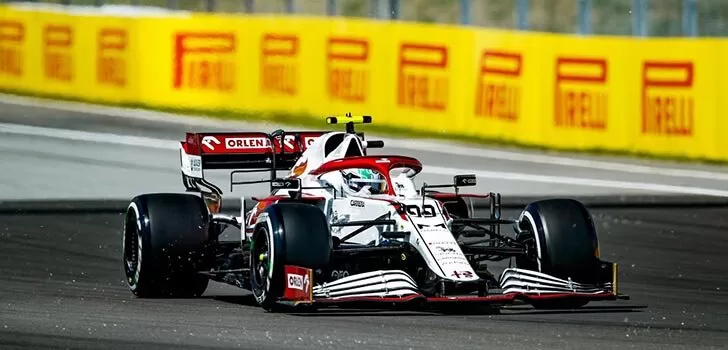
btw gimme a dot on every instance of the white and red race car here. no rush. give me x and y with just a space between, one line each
342 227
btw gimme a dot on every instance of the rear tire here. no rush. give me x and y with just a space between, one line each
166 242
560 234
290 234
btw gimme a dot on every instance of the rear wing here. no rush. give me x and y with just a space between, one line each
245 152
248 150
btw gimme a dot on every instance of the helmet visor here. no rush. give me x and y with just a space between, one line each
376 186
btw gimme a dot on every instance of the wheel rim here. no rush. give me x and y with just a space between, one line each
261 253
131 247
528 238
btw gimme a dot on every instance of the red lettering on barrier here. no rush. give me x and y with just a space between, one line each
278 64
204 61
423 82
580 99
57 52
348 74
666 108
12 35
111 59
498 93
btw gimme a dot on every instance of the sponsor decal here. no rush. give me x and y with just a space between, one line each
423 81
437 243
461 274
357 203
668 102
204 61
288 142
498 92
348 74
308 140
195 164
210 142
465 180
12 36
580 95
286 184
57 53
337 274
448 261
437 227
279 66
447 253
295 281
298 284
246 142
260 205
300 168
111 58
446 250
425 211
254 143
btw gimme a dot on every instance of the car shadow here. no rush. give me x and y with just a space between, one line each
242 300
528 310
418 310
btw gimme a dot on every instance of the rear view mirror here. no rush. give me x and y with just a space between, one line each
286 184
464 180
410 173
374 144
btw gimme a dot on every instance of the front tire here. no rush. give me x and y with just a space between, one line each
166 242
561 241
288 234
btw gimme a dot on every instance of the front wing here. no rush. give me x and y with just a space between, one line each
396 287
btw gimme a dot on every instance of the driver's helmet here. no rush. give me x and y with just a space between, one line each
360 178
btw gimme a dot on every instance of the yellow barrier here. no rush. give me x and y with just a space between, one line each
657 96
69 56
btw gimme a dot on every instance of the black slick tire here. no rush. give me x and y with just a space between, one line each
290 233
166 241
560 234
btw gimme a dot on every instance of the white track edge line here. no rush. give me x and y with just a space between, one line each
501 175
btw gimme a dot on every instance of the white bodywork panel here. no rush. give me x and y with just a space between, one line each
429 230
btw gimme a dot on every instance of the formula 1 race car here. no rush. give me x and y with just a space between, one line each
346 227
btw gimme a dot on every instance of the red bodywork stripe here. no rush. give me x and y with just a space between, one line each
404 299
382 163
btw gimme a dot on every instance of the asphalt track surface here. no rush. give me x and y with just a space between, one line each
63 287
62 279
